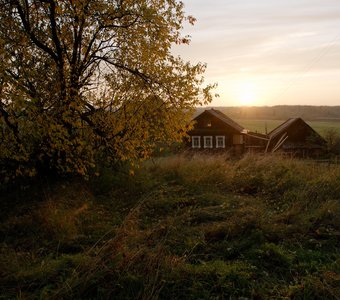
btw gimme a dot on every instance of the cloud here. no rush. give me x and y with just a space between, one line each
266 39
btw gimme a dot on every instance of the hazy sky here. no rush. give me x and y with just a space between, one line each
267 52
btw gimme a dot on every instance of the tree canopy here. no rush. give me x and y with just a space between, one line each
89 80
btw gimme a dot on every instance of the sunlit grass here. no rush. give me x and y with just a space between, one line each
183 227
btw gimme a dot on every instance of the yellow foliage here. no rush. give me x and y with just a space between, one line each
82 81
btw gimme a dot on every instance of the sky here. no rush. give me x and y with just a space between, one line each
267 52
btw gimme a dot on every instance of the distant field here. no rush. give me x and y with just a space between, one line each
260 125
320 127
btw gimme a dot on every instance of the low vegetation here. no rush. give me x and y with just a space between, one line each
181 227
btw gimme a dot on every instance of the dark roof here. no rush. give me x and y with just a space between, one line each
221 116
283 127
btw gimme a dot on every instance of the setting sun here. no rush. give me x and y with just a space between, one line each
246 93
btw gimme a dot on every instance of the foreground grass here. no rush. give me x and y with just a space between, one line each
181 228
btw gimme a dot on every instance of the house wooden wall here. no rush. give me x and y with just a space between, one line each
209 125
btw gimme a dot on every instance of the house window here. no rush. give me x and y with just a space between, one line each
220 141
209 124
208 142
196 142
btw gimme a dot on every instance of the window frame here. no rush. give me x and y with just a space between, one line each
205 138
193 138
223 141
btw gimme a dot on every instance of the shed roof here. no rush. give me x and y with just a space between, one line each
283 127
257 135
221 116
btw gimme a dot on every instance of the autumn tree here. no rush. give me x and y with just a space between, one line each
89 80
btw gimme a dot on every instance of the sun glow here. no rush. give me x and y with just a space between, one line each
247 94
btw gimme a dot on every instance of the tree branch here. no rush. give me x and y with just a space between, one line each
13 127
54 32
27 27
136 72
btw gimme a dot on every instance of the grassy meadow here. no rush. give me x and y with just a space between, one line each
260 125
182 227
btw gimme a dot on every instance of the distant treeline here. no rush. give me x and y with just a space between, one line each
280 112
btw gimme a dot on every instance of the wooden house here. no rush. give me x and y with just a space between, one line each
214 130
296 137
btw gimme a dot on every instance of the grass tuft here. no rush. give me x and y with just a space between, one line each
198 227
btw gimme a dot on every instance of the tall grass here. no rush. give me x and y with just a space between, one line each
182 227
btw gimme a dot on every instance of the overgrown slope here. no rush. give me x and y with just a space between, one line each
182 227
